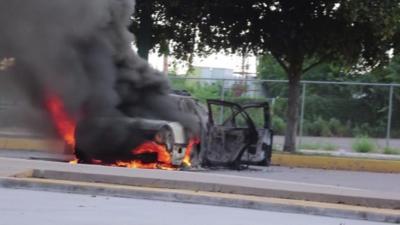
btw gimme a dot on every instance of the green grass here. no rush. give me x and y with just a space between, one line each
330 147
310 146
363 145
319 146
391 151
277 148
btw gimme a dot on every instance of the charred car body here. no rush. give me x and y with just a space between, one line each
229 135
232 134
233 138
117 138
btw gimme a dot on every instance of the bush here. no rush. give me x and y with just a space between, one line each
278 125
319 127
391 151
333 128
363 144
338 129
319 146
396 133
329 147
366 129
279 107
310 146
362 130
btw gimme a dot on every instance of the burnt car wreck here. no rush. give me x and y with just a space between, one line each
234 139
155 143
229 138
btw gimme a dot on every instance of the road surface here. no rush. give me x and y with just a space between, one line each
382 182
25 207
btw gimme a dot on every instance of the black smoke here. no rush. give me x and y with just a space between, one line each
81 50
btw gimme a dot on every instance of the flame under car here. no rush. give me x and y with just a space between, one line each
132 142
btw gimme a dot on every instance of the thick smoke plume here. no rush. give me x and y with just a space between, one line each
82 52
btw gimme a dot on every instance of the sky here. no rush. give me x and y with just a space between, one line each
233 62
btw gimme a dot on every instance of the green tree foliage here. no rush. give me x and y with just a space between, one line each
201 90
298 34
343 110
385 74
168 26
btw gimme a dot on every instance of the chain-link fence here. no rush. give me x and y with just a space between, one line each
332 114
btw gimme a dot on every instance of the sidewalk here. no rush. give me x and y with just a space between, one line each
201 188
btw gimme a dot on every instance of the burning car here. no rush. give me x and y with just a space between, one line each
232 134
136 142
237 134
230 137
122 141
141 143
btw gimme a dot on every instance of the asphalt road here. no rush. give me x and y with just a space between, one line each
382 182
22 207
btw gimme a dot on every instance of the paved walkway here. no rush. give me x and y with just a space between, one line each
260 185
25 207
224 190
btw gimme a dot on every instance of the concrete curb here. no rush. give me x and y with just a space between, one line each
35 144
207 198
227 184
336 163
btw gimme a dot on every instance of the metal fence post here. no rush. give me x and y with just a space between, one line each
303 100
222 97
389 122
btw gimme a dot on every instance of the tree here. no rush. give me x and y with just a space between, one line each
302 34
332 102
145 25
298 34
166 26
386 74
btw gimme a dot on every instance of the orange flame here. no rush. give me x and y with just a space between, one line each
187 159
64 124
163 157
74 161
164 160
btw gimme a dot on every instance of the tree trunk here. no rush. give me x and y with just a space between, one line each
293 109
165 64
144 35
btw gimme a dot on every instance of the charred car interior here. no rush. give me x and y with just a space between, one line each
237 135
